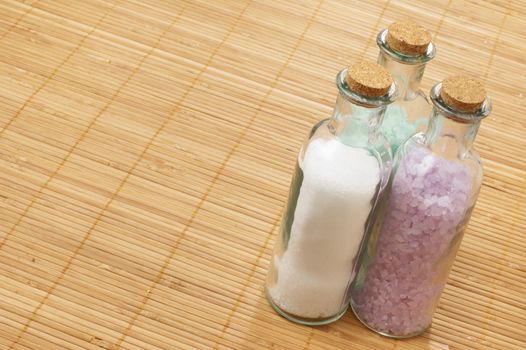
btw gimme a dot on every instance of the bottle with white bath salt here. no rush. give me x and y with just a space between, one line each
405 50
434 185
341 172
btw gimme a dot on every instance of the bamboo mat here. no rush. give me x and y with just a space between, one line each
146 149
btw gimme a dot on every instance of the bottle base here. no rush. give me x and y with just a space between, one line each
386 334
302 320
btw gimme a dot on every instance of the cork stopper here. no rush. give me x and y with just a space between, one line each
463 93
368 79
408 38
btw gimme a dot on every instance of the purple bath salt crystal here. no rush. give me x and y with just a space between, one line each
430 197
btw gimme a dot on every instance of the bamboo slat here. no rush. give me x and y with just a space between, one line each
146 149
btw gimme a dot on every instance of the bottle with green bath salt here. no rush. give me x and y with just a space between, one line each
405 49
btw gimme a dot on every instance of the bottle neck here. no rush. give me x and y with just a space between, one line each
355 125
407 76
450 137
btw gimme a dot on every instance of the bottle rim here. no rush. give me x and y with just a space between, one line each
465 117
381 41
361 100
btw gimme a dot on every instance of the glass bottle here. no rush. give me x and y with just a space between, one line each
435 182
405 49
341 171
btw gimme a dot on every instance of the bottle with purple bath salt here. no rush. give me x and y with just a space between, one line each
434 185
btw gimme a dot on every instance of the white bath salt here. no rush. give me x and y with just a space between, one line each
335 199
